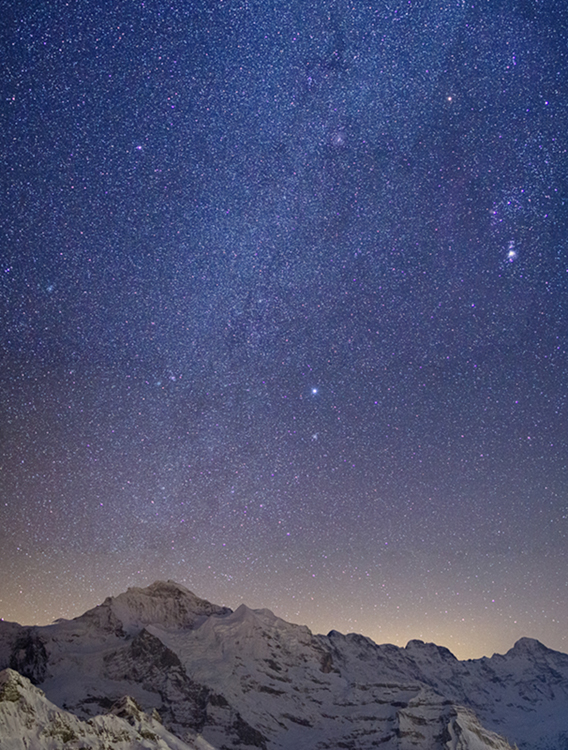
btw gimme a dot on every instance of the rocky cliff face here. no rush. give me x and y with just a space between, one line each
29 720
522 695
247 679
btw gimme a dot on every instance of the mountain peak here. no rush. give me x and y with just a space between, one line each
418 647
165 588
13 684
529 643
528 646
166 604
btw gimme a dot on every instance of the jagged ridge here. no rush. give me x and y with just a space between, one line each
249 679
29 720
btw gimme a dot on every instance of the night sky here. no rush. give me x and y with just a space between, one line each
284 312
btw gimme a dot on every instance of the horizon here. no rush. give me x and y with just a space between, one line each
461 653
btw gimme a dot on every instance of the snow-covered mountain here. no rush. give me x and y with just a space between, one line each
29 720
248 679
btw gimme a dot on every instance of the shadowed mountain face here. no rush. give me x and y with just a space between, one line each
219 678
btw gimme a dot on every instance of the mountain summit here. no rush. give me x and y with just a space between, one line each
216 679
165 604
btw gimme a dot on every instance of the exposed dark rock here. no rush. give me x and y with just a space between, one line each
146 660
248 735
127 708
29 656
218 700
326 663
298 720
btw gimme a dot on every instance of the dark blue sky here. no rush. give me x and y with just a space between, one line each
284 312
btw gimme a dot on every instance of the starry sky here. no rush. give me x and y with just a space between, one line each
284 312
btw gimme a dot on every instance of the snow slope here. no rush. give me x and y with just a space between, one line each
29 720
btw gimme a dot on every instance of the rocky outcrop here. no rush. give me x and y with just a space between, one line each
29 720
148 662
29 656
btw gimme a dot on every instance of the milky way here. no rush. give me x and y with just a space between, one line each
284 313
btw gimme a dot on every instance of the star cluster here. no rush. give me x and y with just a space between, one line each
284 306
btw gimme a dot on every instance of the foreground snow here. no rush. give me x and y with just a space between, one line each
29 720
